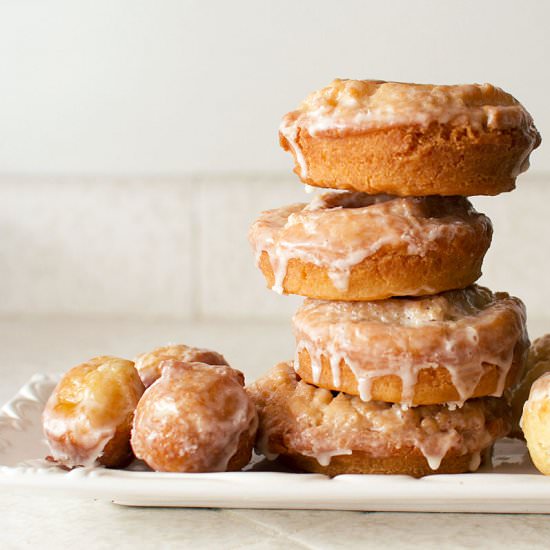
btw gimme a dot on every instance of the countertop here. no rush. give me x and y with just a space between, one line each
46 521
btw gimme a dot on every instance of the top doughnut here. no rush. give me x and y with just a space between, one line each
410 139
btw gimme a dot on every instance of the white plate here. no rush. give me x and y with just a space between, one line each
510 485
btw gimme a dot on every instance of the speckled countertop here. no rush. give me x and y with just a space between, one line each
55 521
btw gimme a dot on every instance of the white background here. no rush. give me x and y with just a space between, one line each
138 140
175 86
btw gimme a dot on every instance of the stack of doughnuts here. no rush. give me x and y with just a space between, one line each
402 362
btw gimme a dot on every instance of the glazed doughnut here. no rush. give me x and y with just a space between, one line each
314 430
538 363
410 139
88 417
417 351
353 246
195 418
149 364
535 423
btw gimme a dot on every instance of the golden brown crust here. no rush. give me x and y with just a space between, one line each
449 347
118 452
88 417
243 453
406 461
535 423
455 264
433 386
195 418
354 246
414 161
315 430
149 364
538 363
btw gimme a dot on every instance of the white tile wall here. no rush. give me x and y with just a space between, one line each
178 248
230 284
519 258
87 246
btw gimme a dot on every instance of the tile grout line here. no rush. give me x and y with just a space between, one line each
196 239
268 528
540 175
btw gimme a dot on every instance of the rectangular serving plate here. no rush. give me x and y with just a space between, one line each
510 485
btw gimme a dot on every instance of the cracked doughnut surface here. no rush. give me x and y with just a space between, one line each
430 350
353 246
149 364
315 430
410 139
195 418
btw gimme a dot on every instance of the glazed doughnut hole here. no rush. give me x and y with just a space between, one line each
538 363
148 364
88 417
535 423
195 418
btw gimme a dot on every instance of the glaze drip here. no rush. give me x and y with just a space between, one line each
347 106
91 402
192 418
149 364
337 231
461 330
296 417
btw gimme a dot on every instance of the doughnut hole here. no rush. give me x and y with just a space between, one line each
535 423
88 417
149 364
195 418
538 363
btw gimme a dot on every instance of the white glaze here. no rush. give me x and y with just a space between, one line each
459 330
85 444
149 364
291 134
475 461
84 411
263 446
359 105
337 231
540 390
324 457
310 421
192 418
